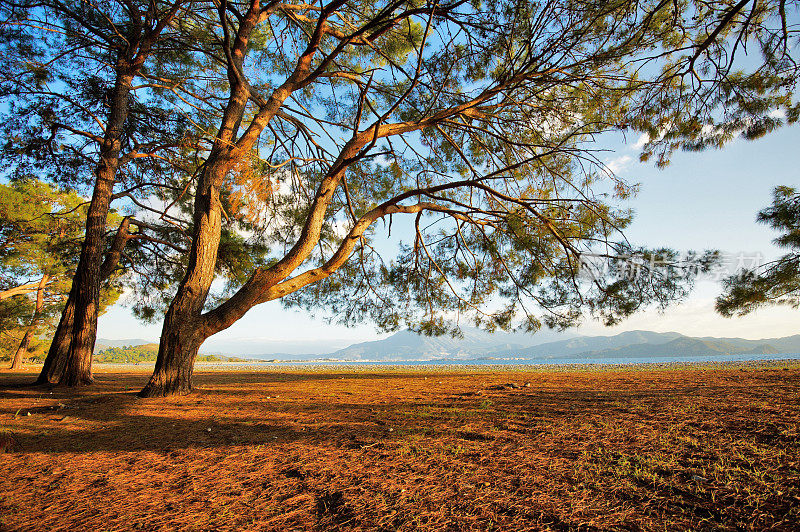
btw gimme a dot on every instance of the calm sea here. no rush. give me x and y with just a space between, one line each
527 361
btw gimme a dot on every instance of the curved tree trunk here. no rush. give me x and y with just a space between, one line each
184 329
57 356
182 333
23 348
56 359
69 358
37 313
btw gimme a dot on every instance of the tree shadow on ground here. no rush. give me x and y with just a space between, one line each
340 410
313 451
238 411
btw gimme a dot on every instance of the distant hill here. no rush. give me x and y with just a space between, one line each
685 346
103 343
475 344
406 345
589 344
133 354
127 354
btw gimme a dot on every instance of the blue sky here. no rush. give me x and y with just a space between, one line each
705 200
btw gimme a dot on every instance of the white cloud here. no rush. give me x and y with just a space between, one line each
618 164
643 139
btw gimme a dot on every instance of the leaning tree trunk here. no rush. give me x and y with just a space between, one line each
183 332
87 276
23 348
58 354
56 361
86 282
76 360
37 313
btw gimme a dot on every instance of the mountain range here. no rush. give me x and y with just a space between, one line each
633 344
643 344
478 344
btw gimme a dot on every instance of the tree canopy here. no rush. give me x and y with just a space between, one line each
478 120
305 133
776 282
41 228
40 233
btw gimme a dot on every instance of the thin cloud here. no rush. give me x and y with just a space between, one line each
643 139
618 164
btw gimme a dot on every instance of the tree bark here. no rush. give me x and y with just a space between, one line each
177 351
29 332
56 361
85 292
23 348
182 333
57 356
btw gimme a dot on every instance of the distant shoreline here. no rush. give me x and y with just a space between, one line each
422 367
272 366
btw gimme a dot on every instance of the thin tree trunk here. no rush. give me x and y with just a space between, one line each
37 313
18 290
23 348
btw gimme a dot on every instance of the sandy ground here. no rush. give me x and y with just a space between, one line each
343 448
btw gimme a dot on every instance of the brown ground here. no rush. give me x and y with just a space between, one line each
283 450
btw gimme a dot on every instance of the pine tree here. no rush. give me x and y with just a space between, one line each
41 228
477 122
776 282
76 116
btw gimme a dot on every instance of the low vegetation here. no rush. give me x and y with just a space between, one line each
660 449
134 354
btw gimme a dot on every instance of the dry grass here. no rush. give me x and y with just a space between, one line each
581 450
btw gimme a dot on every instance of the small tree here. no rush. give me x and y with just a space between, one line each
41 228
776 282
14 326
